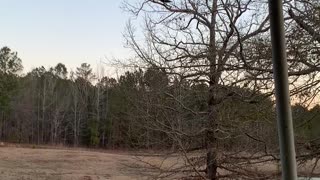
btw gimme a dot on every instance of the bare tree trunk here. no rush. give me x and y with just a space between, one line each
75 139
103 138
98 112
78 127
32 132
211 141
1 126
43 111
38 117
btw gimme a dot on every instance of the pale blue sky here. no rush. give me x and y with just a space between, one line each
45 32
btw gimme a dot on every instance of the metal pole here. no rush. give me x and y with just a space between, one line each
280 71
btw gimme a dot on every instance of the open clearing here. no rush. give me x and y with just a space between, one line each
62 164
18 163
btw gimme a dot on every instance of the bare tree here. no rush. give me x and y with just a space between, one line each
200 40
307 17
225 45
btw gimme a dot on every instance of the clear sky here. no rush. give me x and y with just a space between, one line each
45 32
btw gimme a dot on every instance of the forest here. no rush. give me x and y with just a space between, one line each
200 82
140 109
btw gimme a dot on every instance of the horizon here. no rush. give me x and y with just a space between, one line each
71 32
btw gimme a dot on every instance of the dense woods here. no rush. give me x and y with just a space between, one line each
201 82
138 110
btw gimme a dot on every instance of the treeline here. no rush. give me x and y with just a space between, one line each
140 109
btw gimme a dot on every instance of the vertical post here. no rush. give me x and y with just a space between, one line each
280 71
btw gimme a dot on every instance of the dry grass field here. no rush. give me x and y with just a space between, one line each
51 163
62 164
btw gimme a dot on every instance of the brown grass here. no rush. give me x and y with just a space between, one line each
62 164
29 162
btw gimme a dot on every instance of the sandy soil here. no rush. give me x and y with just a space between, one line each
62 164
